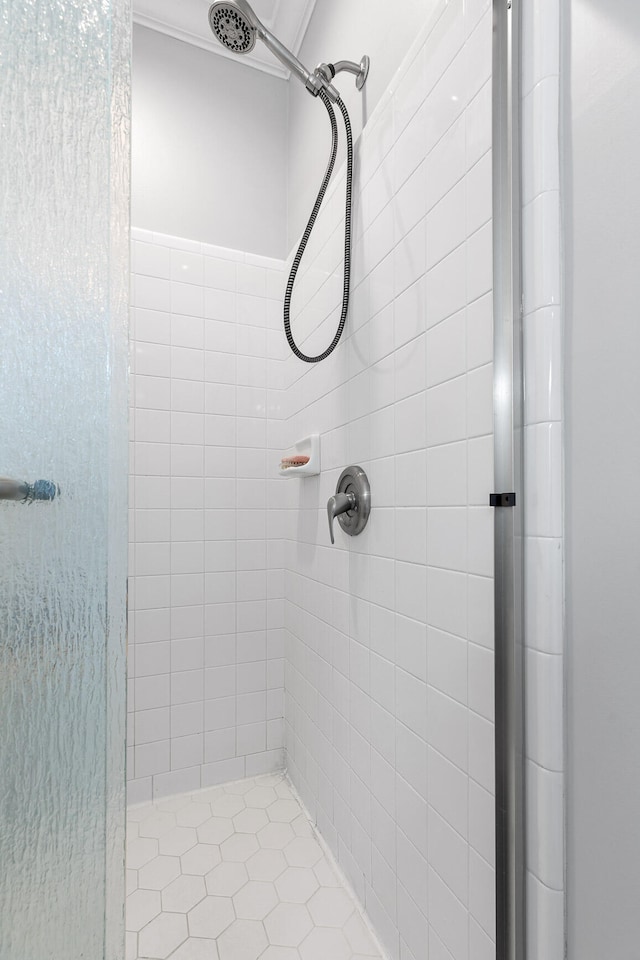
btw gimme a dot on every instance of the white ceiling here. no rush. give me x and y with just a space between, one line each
188 20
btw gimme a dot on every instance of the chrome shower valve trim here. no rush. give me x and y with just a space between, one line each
351 503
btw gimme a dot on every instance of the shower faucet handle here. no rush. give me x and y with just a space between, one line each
351 503
338 504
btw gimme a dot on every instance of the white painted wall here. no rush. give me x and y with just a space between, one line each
209 158
344 31
603 466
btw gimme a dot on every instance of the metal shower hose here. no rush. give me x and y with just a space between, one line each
307 233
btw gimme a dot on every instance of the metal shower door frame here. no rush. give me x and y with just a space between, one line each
508 472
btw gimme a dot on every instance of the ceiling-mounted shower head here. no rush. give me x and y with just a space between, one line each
232 28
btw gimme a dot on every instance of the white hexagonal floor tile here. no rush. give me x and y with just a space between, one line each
159 873
275 836
156 825
303 852
131 881
140 851
270 779
172 803
133 829
227 805
255 900
210 917
239 787
193 814
266 865
260 797
201 859
283 811
301 826
215 830
359 937
330 907
196 949
239 847
250 821
297 885
324 942
288 924
283 789
235 873
208 794
183 894
141 907
131 946
280 953
177 841
226 879
243 940
325 874
162 936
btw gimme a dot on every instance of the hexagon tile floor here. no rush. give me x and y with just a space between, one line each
236 873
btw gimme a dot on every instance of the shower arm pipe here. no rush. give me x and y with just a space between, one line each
349 65
314 82
360 70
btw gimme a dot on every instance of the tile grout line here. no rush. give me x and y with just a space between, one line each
323 871
360 908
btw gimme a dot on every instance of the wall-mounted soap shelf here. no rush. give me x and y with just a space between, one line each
309 447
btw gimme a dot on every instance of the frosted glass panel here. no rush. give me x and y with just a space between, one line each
64 108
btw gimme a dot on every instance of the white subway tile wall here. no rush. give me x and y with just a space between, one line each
387 639
206 588
389 636
544 521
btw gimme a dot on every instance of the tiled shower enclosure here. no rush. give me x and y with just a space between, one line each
365 668
207 646
236 872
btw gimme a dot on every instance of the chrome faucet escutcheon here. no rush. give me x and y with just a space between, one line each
351 503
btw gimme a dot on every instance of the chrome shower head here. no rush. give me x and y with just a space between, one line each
232 28
236 26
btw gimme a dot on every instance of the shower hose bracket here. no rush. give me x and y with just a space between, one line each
327 71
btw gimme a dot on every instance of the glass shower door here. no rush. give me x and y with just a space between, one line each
64 109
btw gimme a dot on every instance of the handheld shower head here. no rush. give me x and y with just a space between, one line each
236 26
232 28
